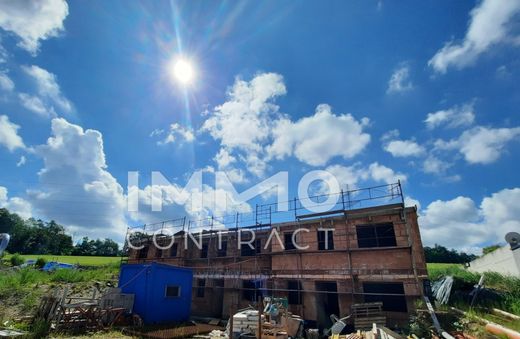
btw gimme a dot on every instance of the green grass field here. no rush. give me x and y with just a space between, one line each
79 260
441 266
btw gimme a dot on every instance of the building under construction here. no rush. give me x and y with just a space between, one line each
366 249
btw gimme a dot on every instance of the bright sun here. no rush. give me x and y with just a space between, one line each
182 70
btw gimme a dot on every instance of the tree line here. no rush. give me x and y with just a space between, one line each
440 254
33 236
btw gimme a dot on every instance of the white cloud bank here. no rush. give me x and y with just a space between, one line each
50 98
252 130
481 145
492 23
75 187
461 224
316 139
33 21
9 137
349 176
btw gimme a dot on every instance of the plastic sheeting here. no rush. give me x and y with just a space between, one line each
442 289
54 265
4 241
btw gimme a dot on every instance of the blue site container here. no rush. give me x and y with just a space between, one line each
162 292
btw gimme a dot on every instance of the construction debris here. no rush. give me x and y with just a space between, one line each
275 321
442 289
505 314
183 331
246 322
376 332
9 333
365 315
67 312
436 323
502 331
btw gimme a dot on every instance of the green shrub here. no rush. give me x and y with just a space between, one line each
508 286
17 260
40 262
67 275
31 300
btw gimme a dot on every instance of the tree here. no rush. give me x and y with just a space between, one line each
8 221
98 247
440 254
34 236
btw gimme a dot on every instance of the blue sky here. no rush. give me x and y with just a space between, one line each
371 91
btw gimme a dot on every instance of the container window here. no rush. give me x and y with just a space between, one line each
173 291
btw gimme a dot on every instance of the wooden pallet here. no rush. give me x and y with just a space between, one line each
365 315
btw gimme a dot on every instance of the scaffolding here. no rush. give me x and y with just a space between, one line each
235 269
298 209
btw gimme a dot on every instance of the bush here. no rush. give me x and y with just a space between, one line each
40 262
17 260
508 287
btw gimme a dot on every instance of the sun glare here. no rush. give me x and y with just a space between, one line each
182 71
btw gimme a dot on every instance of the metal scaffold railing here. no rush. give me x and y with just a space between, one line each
297 208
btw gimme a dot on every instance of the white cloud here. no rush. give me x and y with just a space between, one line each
224 159
75 187
15 205
481 145
252 131
457 116
243 123
400 80
379 172
48 88
156 132
6 84
409 202
434 165
501 211
202 202
176 131
404 148
3 53
22 161
36 105
9 134
349 176
390 135
460 224
316 139
33 21
225 162
491 24
502 72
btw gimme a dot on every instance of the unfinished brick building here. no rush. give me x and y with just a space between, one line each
338 258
